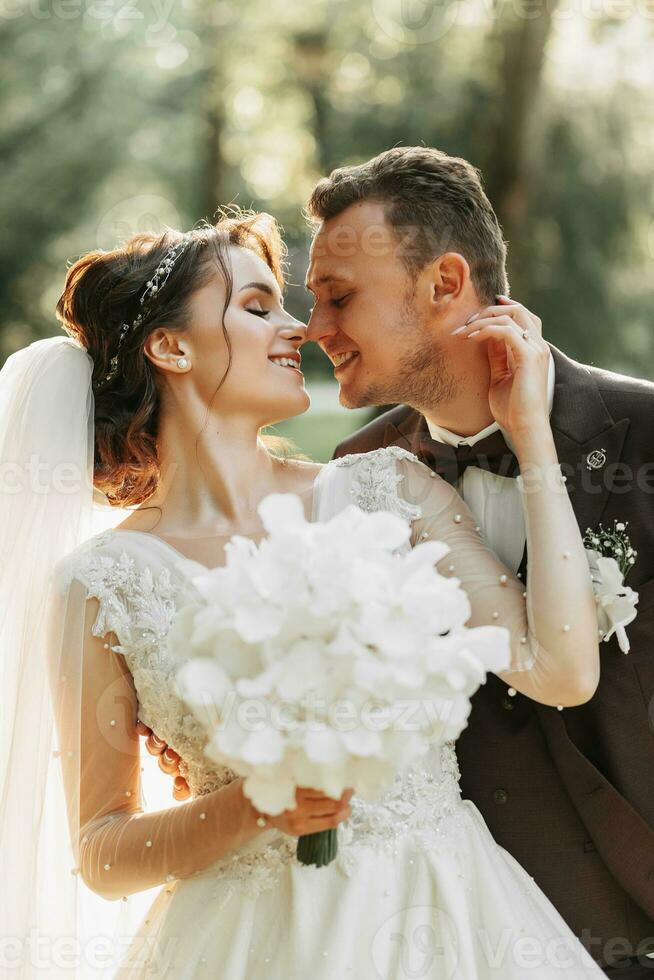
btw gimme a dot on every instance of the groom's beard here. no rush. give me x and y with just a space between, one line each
421 379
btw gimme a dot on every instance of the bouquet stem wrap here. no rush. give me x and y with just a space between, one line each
318 849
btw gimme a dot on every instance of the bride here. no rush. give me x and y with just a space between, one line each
179 351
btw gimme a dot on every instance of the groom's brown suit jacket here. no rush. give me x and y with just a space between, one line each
571 793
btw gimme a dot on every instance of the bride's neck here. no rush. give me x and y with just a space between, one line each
213 472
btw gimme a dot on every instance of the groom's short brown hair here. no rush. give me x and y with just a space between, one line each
434 202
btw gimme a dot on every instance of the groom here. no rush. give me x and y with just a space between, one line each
407 247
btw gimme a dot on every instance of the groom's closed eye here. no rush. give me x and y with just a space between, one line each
340 301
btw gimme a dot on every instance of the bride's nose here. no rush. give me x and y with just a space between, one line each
294 330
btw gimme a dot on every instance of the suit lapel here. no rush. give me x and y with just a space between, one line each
583 429
406 430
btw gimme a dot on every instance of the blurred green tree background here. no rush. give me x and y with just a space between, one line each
120 116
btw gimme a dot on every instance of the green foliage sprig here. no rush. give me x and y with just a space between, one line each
613 543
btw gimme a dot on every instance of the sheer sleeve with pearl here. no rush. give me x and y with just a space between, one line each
553 620
118 847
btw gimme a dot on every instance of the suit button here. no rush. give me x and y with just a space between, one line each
507 704
500 796
589 846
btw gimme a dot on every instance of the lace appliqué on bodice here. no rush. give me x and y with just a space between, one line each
413 807
376 481
138 606
134 604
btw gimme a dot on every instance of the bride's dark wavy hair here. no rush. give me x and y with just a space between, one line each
103 291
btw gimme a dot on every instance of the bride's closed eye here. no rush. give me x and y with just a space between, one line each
262 313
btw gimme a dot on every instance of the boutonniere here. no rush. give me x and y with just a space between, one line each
610 558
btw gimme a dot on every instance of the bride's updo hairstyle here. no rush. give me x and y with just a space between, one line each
103 292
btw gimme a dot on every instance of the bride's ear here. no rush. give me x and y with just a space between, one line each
164 347
449 275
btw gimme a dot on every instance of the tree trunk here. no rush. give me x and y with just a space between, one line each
311 51
520 38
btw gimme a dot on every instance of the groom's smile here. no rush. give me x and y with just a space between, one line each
343 363
338 360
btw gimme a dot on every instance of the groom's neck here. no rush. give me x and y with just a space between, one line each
466 414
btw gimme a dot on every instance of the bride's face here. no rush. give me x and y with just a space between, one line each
259 386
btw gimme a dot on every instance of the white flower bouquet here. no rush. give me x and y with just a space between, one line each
330 655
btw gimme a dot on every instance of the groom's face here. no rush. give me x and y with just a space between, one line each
370 316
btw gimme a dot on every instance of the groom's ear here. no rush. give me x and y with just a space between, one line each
449 275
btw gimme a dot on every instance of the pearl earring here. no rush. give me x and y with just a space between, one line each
182 362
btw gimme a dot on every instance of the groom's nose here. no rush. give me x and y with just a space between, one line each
319 324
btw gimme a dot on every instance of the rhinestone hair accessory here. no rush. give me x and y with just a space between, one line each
152 287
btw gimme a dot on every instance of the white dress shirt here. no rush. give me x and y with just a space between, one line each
494 500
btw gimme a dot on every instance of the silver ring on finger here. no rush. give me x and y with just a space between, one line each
525 334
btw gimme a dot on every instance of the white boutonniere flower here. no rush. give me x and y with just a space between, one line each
610 558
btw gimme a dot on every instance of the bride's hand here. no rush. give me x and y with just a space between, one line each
314 812
168 760
519 359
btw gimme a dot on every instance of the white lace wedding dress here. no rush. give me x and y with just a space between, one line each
419 887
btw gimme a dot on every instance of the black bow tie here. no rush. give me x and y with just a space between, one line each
451 462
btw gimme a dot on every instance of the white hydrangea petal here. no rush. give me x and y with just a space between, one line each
426 553
270 796
203 685
264 745
281 511
324 745
362 741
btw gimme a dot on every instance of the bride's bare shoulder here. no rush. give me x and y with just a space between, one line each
301 474
136 521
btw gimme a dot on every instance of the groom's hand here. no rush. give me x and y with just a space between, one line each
168 760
